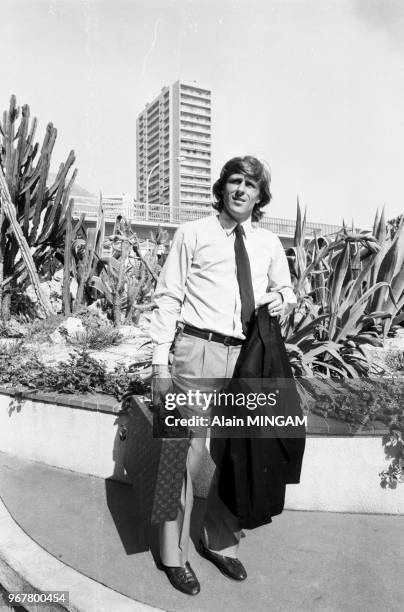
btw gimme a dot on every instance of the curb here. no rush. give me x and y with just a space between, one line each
26 567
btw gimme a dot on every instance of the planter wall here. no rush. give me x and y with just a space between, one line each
78 438
341 474
340 470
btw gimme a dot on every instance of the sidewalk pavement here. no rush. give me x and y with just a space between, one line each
303 561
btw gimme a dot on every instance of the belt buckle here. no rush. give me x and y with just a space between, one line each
227 340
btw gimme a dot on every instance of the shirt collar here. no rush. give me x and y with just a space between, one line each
229 224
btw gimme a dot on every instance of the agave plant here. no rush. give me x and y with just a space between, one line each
391 270
344 288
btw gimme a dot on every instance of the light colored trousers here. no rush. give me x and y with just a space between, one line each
202 364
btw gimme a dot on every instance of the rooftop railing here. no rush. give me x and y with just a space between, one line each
175 215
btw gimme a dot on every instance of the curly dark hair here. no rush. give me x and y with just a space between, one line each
255 170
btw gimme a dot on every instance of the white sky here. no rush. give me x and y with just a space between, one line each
316 88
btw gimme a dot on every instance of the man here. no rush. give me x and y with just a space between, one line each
219 269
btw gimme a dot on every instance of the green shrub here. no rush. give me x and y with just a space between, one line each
12 347
98 333
356 401
22 305
81 374
96 338
40 330
393 444
395 360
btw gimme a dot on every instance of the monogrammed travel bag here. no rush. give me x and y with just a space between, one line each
155 465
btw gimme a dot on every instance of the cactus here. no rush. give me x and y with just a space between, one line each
9 213
67 261
2 252
37 208
87 252
126 277
144 276
124 231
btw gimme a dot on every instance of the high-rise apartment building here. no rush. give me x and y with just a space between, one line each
174 151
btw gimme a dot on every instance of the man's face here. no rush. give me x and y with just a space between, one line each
240 195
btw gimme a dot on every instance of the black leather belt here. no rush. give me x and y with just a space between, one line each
212 336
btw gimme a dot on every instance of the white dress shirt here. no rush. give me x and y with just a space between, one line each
198 283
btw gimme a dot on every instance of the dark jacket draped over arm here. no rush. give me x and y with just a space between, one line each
254 470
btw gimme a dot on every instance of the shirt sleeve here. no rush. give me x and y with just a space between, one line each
169 295
279 276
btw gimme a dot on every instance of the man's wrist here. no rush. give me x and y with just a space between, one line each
161 353
160 369
280 292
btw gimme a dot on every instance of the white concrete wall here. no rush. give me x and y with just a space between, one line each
339 474
65 437
342 475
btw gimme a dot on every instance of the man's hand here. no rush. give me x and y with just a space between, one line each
274 299
161 383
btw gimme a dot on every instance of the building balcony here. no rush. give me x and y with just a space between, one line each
152 126
194 141
192 89
194 150
196 196
200 183
195 104
195 119
190 178
192 132
196 162
199 128
195 169
190 186
195 134
195 111
204 203
195 95
151 111
198 159
153 156
153 138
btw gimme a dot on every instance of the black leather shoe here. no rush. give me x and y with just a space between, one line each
233 568
183 579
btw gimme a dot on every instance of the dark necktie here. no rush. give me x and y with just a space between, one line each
244 278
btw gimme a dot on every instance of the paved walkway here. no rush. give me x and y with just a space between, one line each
303 561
